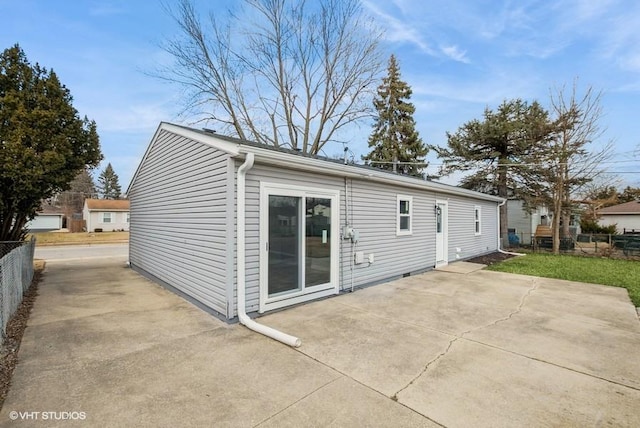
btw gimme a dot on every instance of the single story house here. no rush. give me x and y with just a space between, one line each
238 227
107 215
47 219
523 223
625 216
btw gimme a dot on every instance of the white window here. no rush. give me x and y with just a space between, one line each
404 208
128 217
106 217
477 219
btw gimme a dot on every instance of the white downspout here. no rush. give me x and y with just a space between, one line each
240 274
500 250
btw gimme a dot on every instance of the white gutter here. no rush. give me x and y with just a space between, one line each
240 274
309 164
234 147
500 250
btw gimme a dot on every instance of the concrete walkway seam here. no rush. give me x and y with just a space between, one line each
345 375
461 336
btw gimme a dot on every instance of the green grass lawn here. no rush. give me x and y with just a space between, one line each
619 273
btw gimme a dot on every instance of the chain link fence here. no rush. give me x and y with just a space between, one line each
16 274
599 244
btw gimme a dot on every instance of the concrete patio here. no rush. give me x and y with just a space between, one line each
456 348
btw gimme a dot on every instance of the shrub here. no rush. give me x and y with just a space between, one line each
592 226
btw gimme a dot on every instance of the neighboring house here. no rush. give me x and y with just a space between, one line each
47 219
524 224
106 214
224 221
625 216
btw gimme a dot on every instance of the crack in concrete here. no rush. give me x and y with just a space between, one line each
461 336
347 376
424 370
296 401
517 311
551 363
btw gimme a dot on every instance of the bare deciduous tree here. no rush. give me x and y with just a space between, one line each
599 193
279 72
566 162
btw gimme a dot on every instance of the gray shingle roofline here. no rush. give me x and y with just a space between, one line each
619 213
293 159
626 208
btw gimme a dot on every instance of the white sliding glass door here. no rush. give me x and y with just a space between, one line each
299 244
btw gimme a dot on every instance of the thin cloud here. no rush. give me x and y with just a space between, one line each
455 54
490 89
133 118
105 9
621 43
399 31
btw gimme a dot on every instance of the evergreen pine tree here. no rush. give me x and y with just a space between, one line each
44 142
108 185
394 139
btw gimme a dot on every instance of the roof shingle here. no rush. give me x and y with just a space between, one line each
632 207
107 204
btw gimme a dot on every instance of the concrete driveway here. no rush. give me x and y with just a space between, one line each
106 347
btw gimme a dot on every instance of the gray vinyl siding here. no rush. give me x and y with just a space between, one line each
178 230
184 220
520 220
373 212
265 173
463 242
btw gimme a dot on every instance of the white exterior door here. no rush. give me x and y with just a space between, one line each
441 233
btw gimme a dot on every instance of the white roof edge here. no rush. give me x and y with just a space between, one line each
230 148
322 166
144 157
226 146
310 164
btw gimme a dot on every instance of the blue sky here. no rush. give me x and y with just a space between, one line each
458 56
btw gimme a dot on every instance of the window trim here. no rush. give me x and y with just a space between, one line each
268 303
110 217
477 220
399 215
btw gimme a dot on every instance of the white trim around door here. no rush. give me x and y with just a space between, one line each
299 244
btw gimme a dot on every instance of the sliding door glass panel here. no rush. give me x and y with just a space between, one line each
284 244
317 241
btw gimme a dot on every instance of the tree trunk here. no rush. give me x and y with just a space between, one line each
557 215
555 229
16 232
566 219
566 201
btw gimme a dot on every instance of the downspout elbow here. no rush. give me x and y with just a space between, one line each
240 274
500 250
